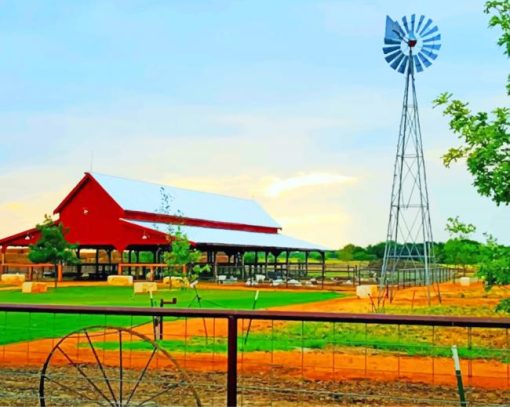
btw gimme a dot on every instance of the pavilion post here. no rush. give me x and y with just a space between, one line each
109 254
265 262
129 261
3 261
287 267
119 266
240 260
306 263
97 261
215 265
78 266
323 271
275 266
137 269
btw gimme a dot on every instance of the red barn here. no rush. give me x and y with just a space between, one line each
109 213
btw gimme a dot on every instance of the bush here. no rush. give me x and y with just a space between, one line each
503 306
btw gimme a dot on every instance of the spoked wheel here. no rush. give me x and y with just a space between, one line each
110 366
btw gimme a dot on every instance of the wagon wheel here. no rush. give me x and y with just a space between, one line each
79 371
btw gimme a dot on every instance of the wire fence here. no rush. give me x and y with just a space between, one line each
63 355
304 275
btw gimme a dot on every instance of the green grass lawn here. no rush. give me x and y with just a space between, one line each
19 326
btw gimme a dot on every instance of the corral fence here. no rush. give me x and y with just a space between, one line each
333 275
312 275
63 355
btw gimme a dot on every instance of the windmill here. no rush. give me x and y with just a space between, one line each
409 47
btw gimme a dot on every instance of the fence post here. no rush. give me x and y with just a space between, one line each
232 362
59 273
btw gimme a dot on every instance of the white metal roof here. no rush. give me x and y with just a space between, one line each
146 197
202 235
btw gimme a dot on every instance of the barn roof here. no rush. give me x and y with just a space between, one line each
218 237
147 197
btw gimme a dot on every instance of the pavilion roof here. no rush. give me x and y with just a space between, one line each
224 237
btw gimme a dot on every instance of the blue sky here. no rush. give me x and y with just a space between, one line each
289 102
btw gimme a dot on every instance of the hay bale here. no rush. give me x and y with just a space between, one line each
176 282
120 280
14 279
144 287
33 287
366 291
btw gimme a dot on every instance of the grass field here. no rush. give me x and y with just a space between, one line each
123 296
16 326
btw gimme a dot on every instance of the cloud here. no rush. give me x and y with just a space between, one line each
313 179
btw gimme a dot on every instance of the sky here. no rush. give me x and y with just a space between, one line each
288 102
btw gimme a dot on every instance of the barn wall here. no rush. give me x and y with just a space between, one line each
92 216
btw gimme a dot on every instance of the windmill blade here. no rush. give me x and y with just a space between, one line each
389 58
435 38
397 61
432 46
406 26
431 31
403 65
388 41
417 64
393 48
427 24
420 22
430 54
413 19
425 61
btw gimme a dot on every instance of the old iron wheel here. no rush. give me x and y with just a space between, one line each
116 393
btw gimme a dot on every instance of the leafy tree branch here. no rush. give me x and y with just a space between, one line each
484 137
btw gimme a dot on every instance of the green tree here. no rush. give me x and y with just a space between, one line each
495 263
377 250
460 250
182 258
458 229
485 137
352 252
485 145
52 246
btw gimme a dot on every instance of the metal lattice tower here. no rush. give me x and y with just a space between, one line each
409 48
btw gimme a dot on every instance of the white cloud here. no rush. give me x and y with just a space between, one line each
313 179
